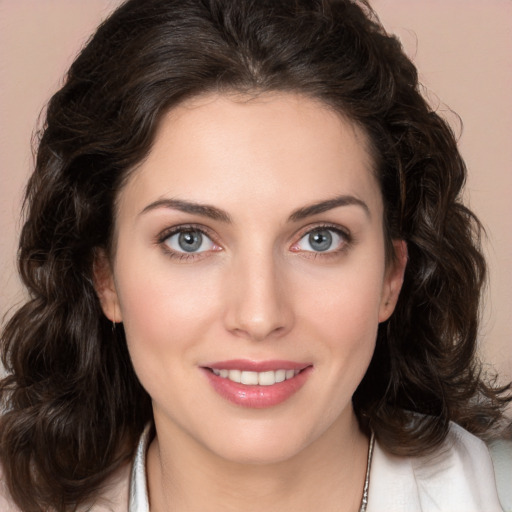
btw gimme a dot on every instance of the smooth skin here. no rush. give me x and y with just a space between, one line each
218 256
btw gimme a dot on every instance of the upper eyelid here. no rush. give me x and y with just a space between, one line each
170 231
323 225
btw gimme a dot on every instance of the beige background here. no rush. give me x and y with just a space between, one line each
463 51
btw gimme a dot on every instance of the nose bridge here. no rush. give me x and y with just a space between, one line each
259 306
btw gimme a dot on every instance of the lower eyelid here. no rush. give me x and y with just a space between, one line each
184 256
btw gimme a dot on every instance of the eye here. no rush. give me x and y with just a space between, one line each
189 241
322 240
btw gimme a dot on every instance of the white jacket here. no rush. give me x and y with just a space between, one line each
457 477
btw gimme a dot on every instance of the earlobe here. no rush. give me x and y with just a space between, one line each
105 286
393 280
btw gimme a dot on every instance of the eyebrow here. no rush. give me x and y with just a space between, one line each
329 204
204 210
214 213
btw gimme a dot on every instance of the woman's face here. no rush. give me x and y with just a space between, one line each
250 250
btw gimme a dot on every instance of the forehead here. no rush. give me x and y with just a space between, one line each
238 150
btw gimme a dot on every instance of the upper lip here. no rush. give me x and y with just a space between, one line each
257 366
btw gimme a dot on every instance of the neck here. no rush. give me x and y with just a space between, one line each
328 474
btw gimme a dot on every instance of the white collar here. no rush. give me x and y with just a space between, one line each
457 477
139 500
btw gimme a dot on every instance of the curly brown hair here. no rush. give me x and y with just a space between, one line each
73 407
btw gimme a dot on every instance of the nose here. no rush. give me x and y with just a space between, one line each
259 307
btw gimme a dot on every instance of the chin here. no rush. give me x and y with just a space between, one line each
263 442
262 452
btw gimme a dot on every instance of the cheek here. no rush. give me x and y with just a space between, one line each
344 313
164 312
348 299
349 327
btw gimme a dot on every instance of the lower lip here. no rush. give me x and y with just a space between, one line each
257 397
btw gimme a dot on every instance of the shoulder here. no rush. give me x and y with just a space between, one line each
501 454
113 496
456 477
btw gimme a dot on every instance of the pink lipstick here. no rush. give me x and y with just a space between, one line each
257 384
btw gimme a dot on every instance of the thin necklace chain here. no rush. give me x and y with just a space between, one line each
364 500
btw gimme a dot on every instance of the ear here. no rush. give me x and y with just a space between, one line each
104 285
393 280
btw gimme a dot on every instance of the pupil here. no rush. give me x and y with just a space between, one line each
190 241
320 240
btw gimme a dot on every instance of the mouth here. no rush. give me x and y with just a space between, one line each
257 384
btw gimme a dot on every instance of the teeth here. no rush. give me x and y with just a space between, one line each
280 375
248 378
268 378
235 375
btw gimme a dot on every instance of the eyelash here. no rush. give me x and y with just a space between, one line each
348 240
183 228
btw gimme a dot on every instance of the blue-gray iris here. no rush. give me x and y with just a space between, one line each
320 240
190 241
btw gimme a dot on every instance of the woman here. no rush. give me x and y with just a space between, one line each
253 283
